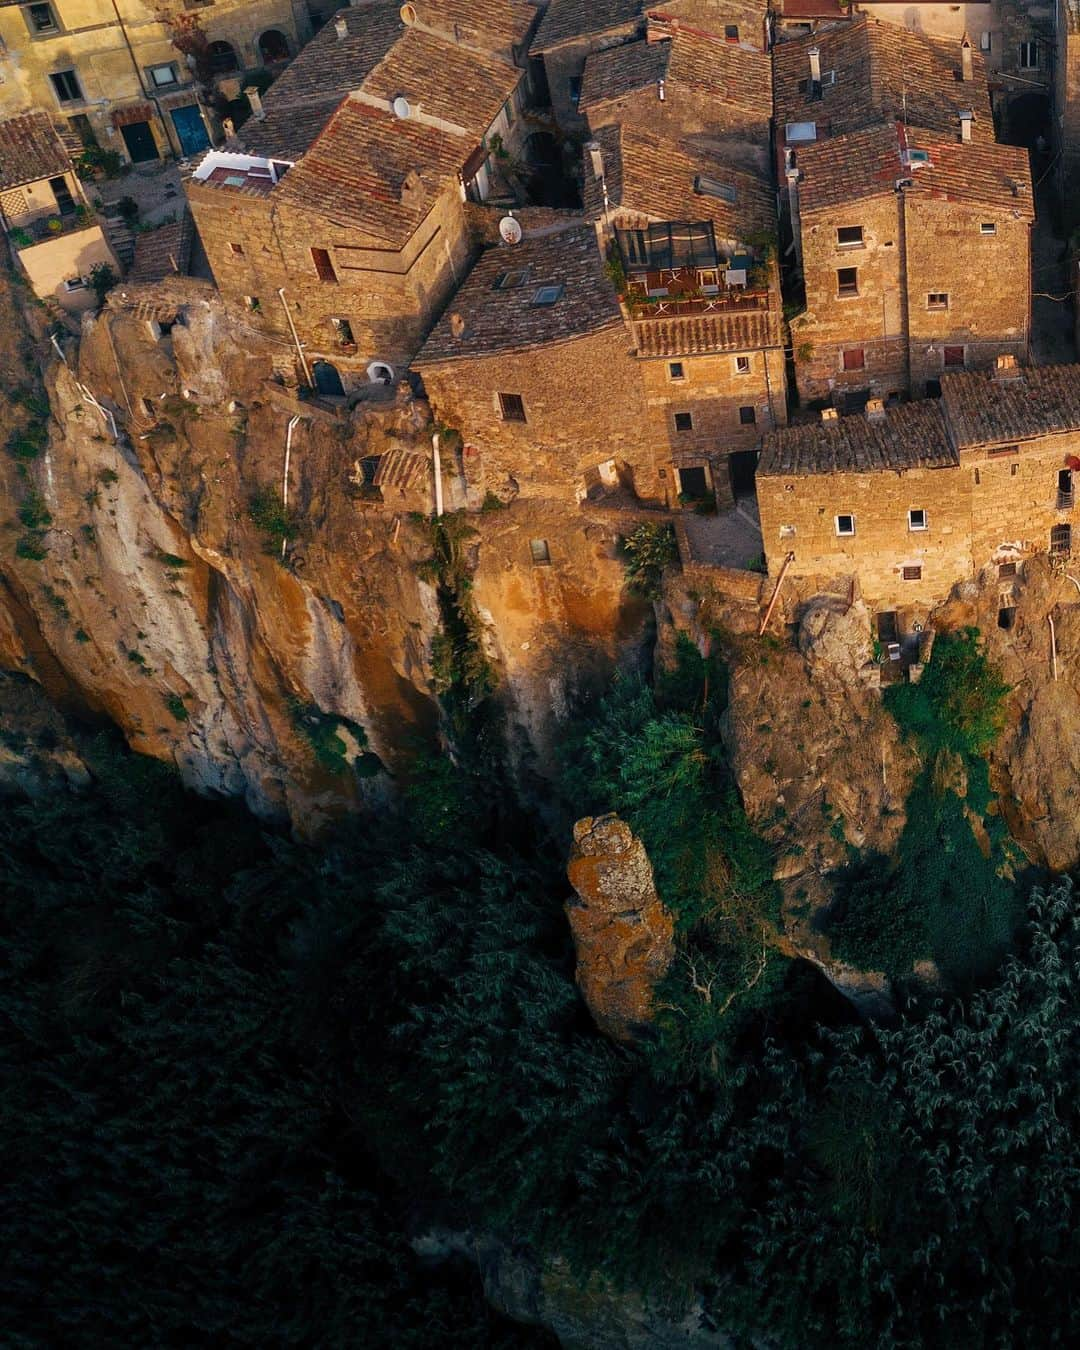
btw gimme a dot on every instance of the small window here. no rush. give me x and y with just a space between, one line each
787 531
324 266
747 416
988 227
916 519
1061 541
508 112
574 87
853 358
731 32
66 86
953 358
986 42
40 19
742 365
1006 570
253 303
161 77
676 371
512 407
343 332
238 249
798 133
912 573
715 187
1029 55
510 281
845 525
684 421
75 284
540 552
547 295
847 281
937 300
849 236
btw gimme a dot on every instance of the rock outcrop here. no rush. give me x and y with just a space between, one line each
622 932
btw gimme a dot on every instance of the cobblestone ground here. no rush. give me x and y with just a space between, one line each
730 539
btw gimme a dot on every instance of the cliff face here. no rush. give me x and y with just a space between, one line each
154 589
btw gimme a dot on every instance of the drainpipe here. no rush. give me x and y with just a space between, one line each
295 338
285 476
146 93
436 463
1053 643
788 560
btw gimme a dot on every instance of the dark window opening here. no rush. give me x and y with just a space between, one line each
1006 569
933 388
953 358
273 47
912 573
675 370
849 235
65 202
937 300
845 524
731 32
694 483
66 86
1006 617
574 85
41 19
512 407
916 519
324 266
847 281
221 58
684 421
747 416
1065 490
538 549
343 332
238 249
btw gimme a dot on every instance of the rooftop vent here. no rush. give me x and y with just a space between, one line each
341 28
713 187
798 132
1005 367
875 410
966 72
401 107
457 324
916 159
547 295
255 99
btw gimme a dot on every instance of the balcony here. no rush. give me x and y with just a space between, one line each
1065 499
43 228
733 300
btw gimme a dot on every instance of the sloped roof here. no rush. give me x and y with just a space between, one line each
982 410
746 331
883 72
869 162
654 176
503 319
30 150
566 20
622 70
479 21
440 78
908 436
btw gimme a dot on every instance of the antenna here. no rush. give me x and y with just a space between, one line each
510 230
401 107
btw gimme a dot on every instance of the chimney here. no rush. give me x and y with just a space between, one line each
815 65
255 99
660 90
875 410
457 324
966 119
341 28
830 415
596 159
1005 367
965 59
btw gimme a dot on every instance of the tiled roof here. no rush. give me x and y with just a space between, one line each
704 333
982 410
623 70
29 150
163 252
883 72
479 22
569 19
712 16
653 176
439 78
356 172
815 9
501 319
869 162
300 101
909 436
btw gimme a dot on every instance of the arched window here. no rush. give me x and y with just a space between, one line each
273 47
327 379
222 58
380 373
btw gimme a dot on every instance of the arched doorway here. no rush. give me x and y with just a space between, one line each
327 380
380 373
273 47
221 58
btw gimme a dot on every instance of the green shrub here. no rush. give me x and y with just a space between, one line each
176 706
102 280
647 550
320 730
31 546
959 703
271 518
33 512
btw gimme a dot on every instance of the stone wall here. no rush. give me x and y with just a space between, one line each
567 62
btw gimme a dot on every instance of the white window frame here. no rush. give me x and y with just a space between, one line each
931 304
988 227
844 515
849 243
671 371
174 74
743 365
917 511
1029 48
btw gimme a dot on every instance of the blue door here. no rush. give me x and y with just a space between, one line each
190 130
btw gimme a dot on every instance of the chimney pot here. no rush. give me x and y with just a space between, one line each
815 64
966 72
966 119
341 28
830 415
660 90
875 410
255 99
457 324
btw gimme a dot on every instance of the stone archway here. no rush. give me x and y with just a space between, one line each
273 47
221 58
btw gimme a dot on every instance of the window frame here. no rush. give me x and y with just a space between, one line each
911 572
540 557
845 352
987 228
676 370
849 243
163 65
511 408
937 301
743 365
946 364
685 416
1029 47
844 515
323 264
744 420
55 26
912 513
70 75
1064 534
847 290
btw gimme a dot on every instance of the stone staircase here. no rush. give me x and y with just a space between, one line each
121 238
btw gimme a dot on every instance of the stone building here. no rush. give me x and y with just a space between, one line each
338 216
569 31
710 91
53 234
1066 113
120 76
692 248
532 365
906 501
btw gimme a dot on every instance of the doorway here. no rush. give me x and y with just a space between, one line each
693 483
742 466
139 142
327 380
190 130
65 202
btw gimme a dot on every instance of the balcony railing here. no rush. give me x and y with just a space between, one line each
1065 499
49 227
732 301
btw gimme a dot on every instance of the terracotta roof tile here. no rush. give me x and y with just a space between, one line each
440 78
502 319
704 333
163 252
30 150
622 70
982 410
909 436
479 22
565 20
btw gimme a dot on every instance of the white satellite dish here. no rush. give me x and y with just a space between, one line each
510 230
401 107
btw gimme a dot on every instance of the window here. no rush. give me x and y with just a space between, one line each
1006 570
916 519
75 284
574 87
40 19
847 281
853 358
324 266
511 281
731 32
675 370
221 58
937 300
747 416
343 332
1029 55
953 357
508 112
540 552
742 365
547 295
988 227
237 249
798 133
849 236
845 525
684 422
1061 541
715 187
66 86
912 573
512 407
986 42
161 77
787 531
1065 490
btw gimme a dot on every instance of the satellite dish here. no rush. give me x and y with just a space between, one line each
510 230
408 13
401 107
